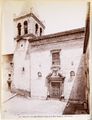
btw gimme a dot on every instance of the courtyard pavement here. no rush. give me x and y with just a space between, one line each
23 107
15 106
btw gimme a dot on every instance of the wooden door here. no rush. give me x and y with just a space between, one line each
55 89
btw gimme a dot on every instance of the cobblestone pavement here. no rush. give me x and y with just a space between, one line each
20 106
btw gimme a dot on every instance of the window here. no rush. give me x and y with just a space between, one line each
55 57
39 74
36 28
9 75
72 73
40 31
25 27
21 45
11 64
23 69
19 28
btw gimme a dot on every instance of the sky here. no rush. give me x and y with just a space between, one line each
57 15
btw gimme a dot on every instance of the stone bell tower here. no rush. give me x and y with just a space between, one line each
26 26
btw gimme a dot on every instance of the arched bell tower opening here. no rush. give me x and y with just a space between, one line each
19 29
25 27
40 31
36 28
28 25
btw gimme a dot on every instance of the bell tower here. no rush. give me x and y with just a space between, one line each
28 25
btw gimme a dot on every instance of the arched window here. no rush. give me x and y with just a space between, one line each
19 28
36 28
25 27
40 31
72 73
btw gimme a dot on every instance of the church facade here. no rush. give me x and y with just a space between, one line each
44 64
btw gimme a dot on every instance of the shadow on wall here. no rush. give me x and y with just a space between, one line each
76 103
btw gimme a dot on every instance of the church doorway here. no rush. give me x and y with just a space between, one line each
55 90
55 83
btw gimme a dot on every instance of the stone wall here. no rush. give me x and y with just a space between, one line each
7 68
21 66
87 78
77 102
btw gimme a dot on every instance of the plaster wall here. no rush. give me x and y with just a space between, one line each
41 61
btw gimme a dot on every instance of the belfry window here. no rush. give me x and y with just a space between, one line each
36 28
25 27
19 28
55 57
40 31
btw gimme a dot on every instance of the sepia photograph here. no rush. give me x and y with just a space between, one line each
45 59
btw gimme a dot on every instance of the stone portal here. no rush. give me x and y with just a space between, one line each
55 82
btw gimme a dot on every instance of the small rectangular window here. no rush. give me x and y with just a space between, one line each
56 57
